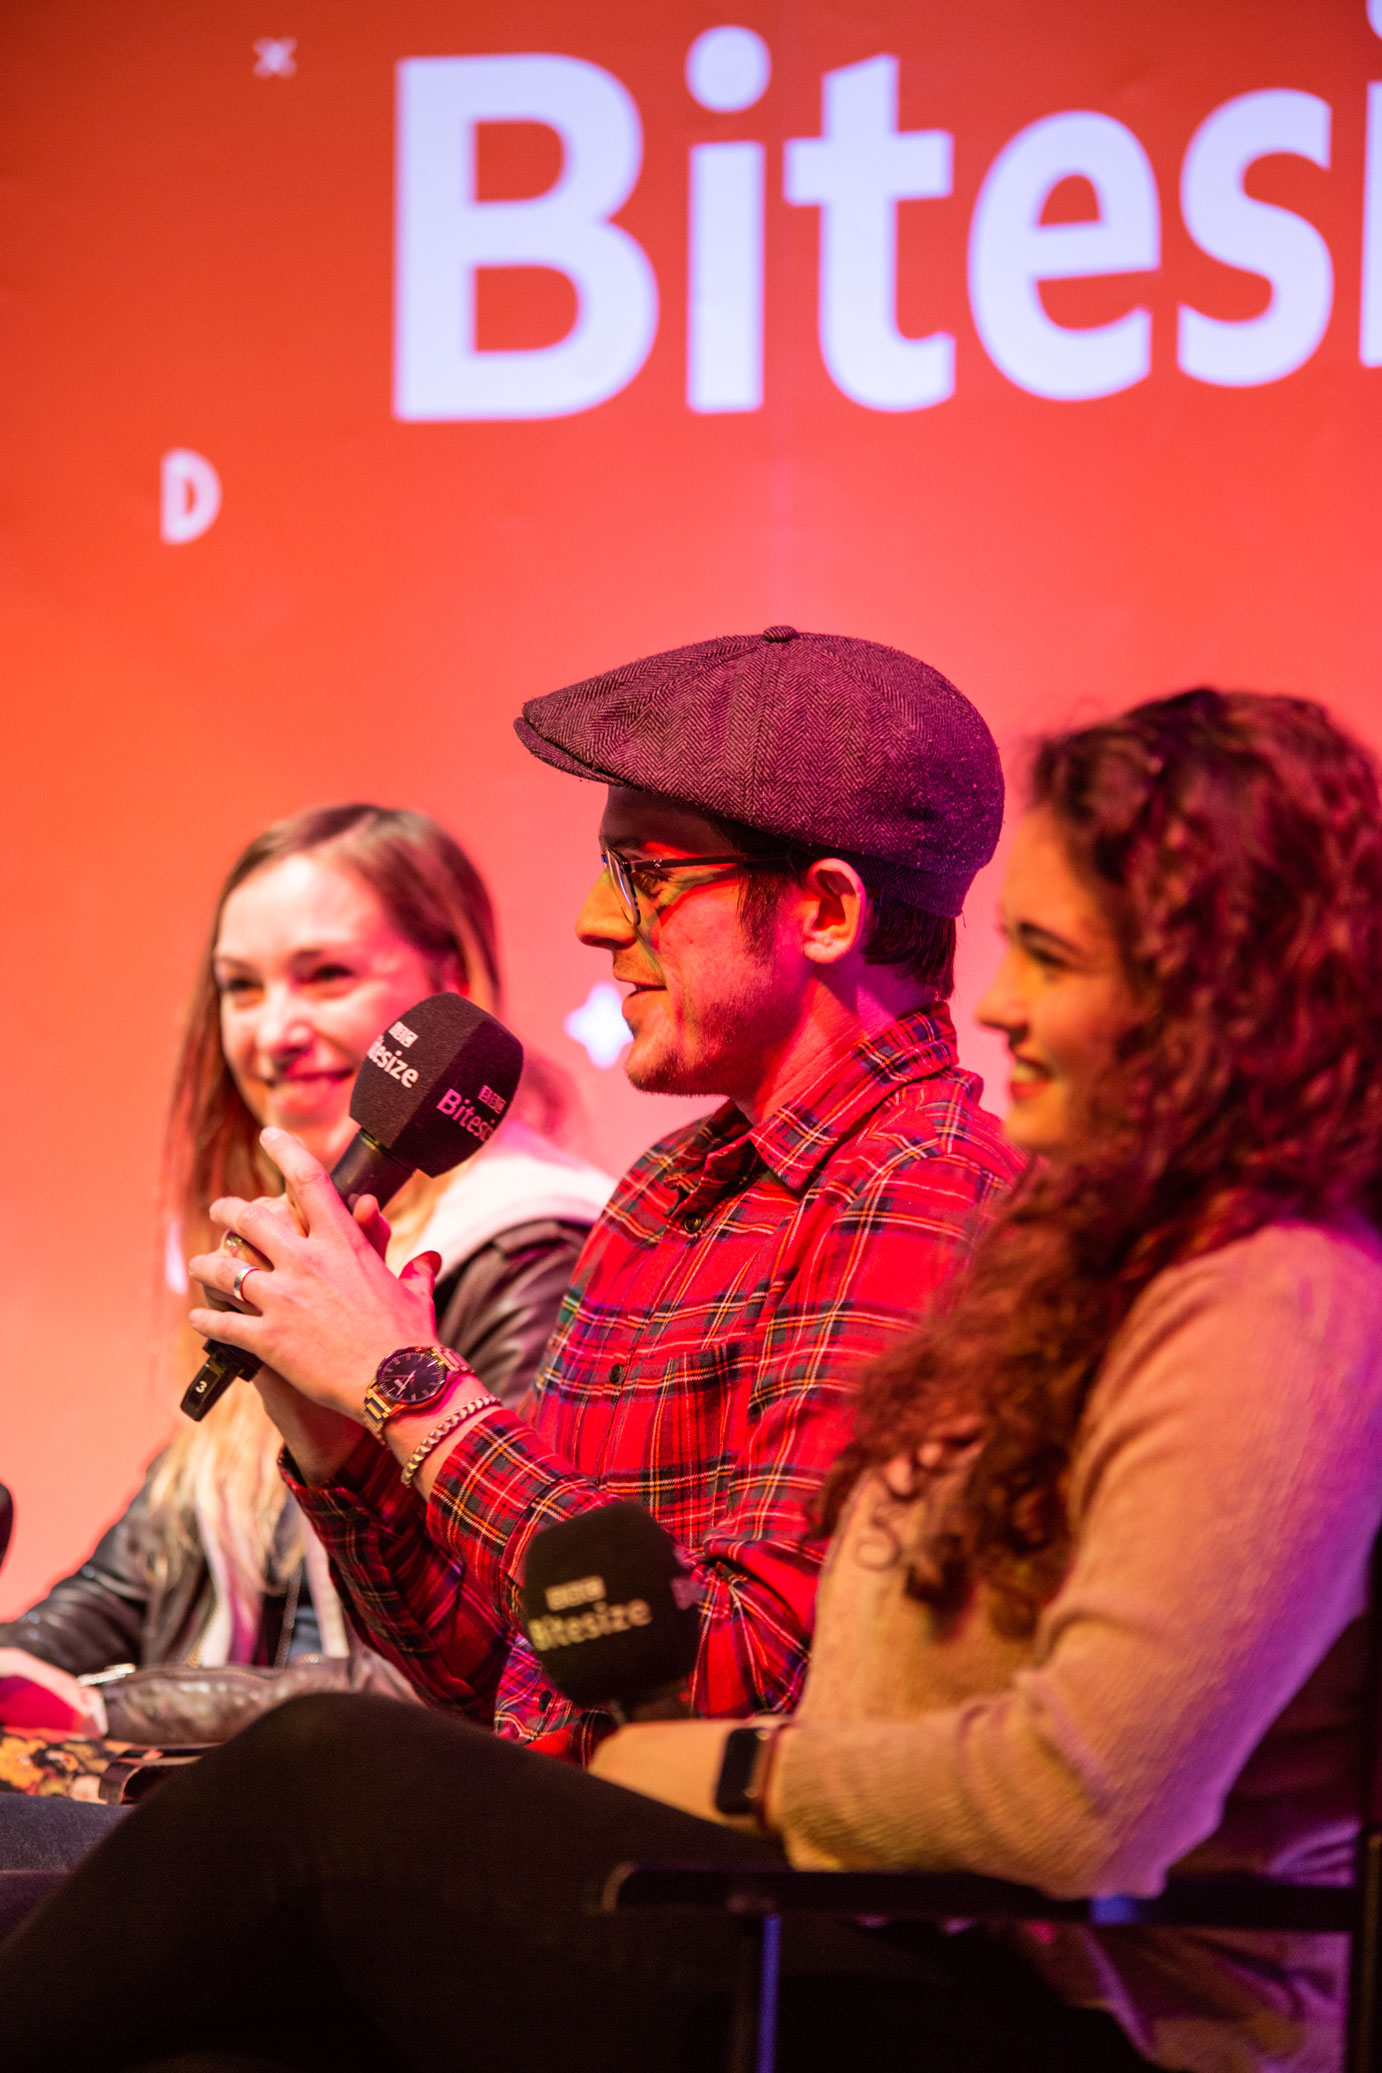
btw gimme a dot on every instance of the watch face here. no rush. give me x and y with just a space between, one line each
412 1377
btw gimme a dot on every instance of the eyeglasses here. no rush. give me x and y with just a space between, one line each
638 880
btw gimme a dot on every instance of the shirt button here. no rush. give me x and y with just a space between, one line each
616 1371
693 1224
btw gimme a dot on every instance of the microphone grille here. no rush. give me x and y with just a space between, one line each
435 1085
609 1607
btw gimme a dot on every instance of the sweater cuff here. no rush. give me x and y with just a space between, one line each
815 1832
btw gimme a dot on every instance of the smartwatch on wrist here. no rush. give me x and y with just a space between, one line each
408 1380
744 1772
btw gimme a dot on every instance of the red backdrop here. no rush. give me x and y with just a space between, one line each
1111 498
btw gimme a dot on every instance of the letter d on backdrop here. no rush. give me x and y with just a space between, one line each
189 496
445 235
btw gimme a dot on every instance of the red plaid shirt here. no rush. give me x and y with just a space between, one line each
700 1368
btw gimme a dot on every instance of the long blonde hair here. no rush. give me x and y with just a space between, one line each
218 1481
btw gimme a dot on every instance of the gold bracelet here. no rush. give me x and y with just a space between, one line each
452 1422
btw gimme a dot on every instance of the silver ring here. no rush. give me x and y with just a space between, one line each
242 1275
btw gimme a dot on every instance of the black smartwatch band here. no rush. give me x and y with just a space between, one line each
738 1786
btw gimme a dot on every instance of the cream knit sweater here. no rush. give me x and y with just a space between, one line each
1190 1698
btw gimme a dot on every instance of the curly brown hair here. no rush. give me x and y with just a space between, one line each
1233 840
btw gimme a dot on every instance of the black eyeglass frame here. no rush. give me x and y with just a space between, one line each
625 873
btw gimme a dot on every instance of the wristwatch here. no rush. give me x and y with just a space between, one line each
408 1380
743 1771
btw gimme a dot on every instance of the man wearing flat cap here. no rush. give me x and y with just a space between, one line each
792 823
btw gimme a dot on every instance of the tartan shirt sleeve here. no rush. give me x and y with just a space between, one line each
400 1592
438 1591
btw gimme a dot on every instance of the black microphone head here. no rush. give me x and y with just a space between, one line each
6 1521
436 1084
609 1608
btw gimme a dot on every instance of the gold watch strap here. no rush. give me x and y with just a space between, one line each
378 1409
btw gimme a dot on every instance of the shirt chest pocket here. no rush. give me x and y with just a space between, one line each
677 1432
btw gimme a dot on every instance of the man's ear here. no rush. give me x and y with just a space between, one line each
836 910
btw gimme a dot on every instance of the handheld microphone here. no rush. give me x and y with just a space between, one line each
611 1612
430 1092
6 1521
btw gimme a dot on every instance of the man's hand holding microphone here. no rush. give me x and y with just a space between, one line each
328 1316
329 1309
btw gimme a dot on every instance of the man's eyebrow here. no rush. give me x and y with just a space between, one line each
637 851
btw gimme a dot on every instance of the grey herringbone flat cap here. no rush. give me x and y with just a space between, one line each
836 743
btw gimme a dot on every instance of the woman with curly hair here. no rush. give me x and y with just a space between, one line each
1096 1606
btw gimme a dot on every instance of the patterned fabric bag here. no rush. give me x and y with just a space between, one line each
71 1767
48 1766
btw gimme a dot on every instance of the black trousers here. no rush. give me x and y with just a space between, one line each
353 1883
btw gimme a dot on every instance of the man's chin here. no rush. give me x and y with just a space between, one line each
652 1075
653 1072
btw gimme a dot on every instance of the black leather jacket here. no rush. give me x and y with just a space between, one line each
497 1309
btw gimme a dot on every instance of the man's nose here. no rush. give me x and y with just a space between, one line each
602 922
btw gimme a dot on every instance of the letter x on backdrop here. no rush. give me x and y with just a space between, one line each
369 369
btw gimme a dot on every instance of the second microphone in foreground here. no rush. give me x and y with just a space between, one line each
612 1613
